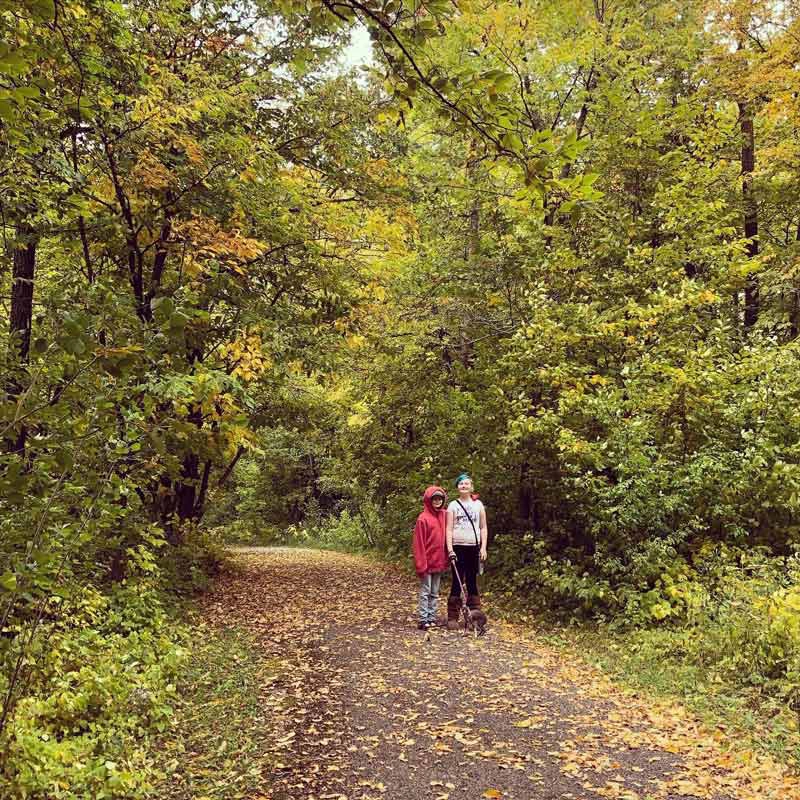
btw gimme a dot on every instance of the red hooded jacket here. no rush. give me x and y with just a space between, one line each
429 535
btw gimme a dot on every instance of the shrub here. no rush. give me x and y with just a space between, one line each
101 685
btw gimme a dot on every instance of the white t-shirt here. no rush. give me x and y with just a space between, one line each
462 530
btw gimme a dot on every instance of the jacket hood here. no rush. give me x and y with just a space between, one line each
427 498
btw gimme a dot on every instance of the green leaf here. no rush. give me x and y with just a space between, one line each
177 321
8 581
511 141
44 9
163 307
64 459
12 63
505 83
75 346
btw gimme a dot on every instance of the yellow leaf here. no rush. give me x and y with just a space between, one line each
492 793
355 341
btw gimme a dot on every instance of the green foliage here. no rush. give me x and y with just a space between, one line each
101 689
749 627
178 247
337 531
250 293
571 317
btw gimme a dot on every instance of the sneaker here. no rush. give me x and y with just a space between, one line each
423 626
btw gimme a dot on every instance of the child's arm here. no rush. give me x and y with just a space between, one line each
484 533
418 546
448 535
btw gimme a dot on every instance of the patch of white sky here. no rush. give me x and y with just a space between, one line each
354 56
358 52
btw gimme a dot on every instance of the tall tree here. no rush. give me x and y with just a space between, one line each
20 321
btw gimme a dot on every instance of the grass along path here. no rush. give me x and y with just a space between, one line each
217 747
366 707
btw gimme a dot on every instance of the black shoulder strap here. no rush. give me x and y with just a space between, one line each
477 540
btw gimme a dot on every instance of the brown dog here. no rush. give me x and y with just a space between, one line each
474 620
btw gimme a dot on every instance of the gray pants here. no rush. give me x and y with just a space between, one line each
429 596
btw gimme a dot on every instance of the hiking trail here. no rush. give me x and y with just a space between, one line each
367 707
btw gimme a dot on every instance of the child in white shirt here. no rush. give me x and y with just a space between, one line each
467 535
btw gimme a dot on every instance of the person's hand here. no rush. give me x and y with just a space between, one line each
483 554
452 556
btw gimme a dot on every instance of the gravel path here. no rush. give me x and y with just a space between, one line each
368 707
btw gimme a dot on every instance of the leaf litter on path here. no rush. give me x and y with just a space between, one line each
368 707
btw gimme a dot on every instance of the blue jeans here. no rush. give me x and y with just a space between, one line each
429 596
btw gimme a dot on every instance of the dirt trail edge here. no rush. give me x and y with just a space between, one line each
369 708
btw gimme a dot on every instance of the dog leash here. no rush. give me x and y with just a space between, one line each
460 584
464 608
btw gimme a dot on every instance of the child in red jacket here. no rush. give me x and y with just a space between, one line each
430 554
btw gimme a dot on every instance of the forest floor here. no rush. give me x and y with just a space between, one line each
366 707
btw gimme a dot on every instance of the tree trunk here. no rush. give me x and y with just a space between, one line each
472 247
525 496
22 292
794 313
751 299
227 472
190 489
566 169
186 488
21 320
200 505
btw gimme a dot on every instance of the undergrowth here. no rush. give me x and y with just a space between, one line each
730 651
92 687
215 748
98 688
